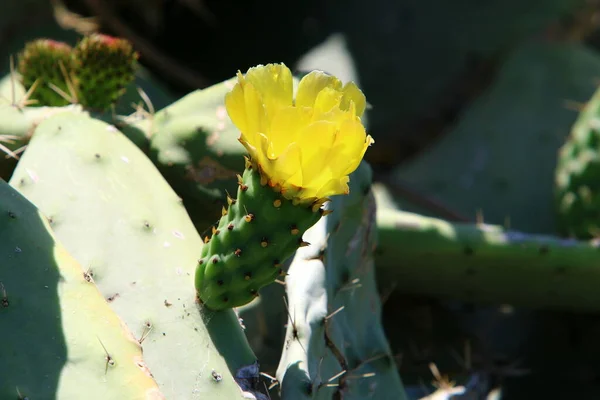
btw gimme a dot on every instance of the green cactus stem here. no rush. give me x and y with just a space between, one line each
486 263
256 234
335 345
59 338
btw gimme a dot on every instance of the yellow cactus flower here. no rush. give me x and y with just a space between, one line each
304 147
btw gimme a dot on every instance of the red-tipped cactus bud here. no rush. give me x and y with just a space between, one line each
48 62
104 66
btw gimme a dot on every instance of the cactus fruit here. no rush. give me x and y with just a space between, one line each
59 338
47 64
94 74
258 231
119 218
301 151
577 172
103 66
335 344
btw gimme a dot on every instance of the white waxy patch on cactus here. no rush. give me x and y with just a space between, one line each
178 235
221 112
125 159
230 84
32 175
112 128
166 244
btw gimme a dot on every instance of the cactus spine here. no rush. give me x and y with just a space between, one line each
93 74
47 64
103 66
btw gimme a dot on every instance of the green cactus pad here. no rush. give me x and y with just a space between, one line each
16 127
259 231
59 338
479 263
46 62
335 344
120 219
195 147
578 176
104 66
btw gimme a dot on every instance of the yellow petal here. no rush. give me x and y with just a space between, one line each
333 187
330 187
274 83
315 141
349 148
308 148
262 153
335 115
352 166
236 107
287 166
311 85
353 94
255 114
326 100
286 127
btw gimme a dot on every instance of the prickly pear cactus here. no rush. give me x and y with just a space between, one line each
335 345
95 73
60 339
258 231
126 226
47 64
577 176
103 66
301 149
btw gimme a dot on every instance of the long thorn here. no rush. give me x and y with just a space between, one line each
13 78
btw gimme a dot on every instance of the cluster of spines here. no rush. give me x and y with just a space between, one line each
44 65
315 204
236 213
104 65
93 74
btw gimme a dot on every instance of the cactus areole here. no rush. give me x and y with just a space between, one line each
301 152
